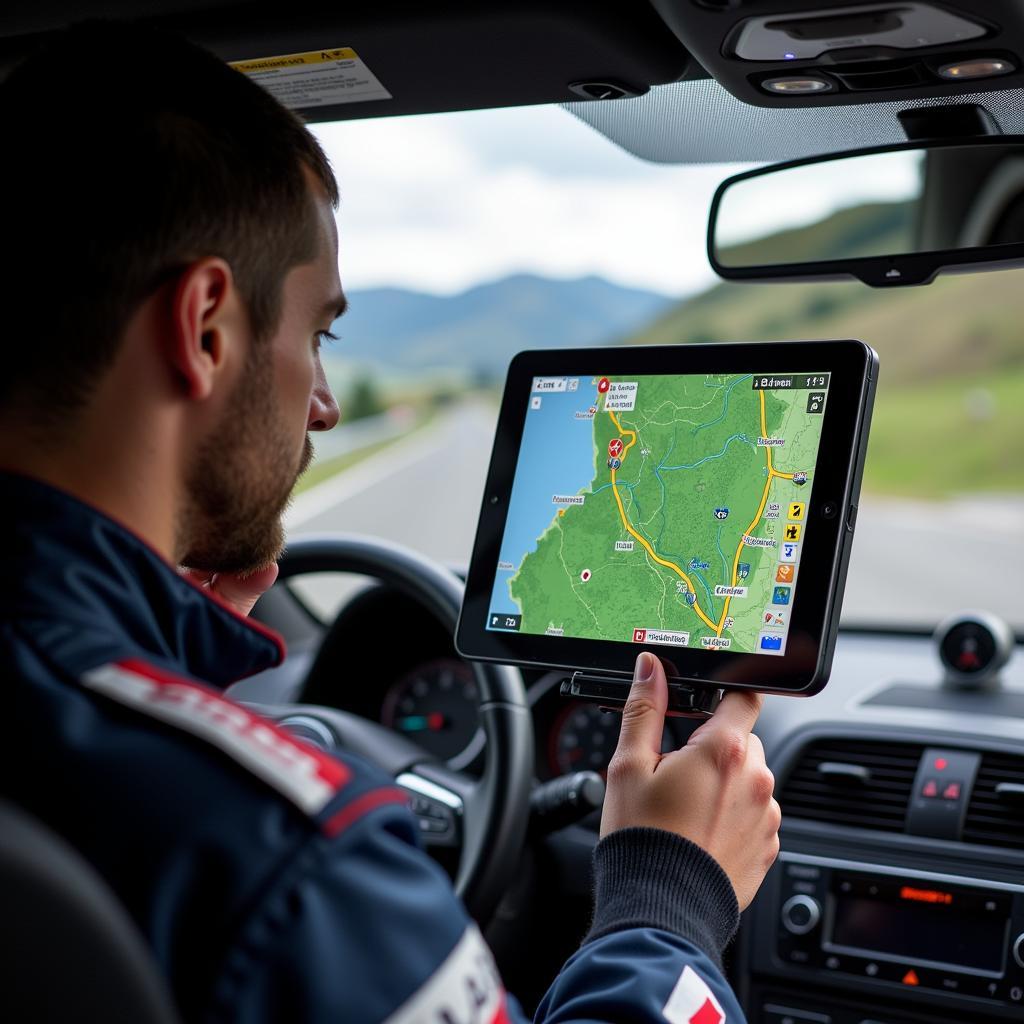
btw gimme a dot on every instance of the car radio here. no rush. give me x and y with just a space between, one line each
911 929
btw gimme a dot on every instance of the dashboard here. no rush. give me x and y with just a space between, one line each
427 693
898 897
899 893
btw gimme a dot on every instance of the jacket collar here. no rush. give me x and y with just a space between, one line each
68 561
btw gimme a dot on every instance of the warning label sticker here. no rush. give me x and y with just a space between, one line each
319 78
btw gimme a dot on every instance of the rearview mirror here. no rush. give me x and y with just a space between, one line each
895 215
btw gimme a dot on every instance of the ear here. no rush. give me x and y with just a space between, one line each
201 324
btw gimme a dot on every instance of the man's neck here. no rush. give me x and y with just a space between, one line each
93 460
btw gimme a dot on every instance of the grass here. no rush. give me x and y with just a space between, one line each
320 471
949 417
930 439
948 436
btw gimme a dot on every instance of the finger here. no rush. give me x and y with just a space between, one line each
199 577
756 747
738 711
243 590
643 717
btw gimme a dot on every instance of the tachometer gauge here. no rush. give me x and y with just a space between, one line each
583 738
436 706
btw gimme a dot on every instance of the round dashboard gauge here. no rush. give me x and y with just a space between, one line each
583 738
436 706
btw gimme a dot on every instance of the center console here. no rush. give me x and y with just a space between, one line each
910 919
879 927
857 942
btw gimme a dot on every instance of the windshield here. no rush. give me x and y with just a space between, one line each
467 237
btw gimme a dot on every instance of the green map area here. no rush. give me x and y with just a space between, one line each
701 497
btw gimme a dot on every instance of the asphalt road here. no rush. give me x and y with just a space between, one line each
423 492
913 561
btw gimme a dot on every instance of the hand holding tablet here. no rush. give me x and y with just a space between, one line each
695 501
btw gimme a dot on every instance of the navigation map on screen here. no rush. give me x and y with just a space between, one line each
661 509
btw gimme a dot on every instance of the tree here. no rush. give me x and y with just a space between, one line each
364 399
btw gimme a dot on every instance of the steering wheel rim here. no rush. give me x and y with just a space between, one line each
495 809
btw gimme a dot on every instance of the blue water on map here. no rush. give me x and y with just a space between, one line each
556 457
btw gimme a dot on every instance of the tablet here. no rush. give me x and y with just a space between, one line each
696 501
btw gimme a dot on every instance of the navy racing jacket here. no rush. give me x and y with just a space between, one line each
274 882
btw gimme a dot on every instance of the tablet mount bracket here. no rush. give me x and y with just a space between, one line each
609 691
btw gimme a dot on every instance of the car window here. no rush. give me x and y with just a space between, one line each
467 237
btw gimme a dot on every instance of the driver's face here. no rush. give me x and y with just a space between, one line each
244 473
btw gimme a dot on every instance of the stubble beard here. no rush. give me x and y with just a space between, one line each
241 481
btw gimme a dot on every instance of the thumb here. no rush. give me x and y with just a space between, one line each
242 590
643 717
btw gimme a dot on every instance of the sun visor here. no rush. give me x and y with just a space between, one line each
396 57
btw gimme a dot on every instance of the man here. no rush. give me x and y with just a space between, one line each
169 268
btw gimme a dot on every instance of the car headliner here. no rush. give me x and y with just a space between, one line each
700 122
458 56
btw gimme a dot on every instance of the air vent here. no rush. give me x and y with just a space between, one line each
995 815
864 783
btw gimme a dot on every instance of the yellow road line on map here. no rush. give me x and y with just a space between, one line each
773 473
625 522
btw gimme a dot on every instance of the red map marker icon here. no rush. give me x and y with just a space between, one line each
603 385
615 447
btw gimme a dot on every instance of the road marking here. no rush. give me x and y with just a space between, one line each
364 475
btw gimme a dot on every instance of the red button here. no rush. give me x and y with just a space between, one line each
952 791
930 789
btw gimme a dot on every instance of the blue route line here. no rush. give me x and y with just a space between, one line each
661 484
727 568
725 408
707 589
708 458
725 562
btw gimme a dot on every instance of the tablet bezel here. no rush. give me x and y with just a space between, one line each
803 668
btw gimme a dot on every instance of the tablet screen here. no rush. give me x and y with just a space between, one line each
666 510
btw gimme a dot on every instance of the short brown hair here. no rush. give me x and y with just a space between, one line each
129 153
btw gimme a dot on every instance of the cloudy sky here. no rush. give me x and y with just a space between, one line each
442 202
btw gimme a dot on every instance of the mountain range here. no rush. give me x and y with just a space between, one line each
482 328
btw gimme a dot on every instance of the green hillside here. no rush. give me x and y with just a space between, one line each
870 229
950 411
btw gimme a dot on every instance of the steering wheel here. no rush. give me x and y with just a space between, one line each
485 818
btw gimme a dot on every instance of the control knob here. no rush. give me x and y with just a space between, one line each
800 914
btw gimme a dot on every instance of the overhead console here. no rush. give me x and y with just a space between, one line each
820 52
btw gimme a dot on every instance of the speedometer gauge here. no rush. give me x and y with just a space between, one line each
583 738
436 706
